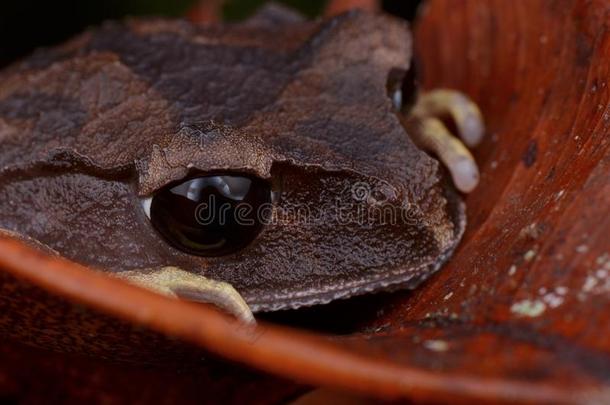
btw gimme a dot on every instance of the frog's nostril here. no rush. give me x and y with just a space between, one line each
210 215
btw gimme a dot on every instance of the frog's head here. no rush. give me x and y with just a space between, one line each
111 146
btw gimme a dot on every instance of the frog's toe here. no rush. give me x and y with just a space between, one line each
432 135
175 282
458 107
425 126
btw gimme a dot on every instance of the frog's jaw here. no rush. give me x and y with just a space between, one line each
404 277
177 283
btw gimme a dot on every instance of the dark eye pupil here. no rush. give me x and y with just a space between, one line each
211 215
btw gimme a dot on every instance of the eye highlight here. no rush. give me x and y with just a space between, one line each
401 86
210 215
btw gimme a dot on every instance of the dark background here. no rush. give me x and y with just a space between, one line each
26 25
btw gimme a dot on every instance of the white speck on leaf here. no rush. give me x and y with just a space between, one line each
436 345
589 284
559 195
561 290
529 255
528 308
552 299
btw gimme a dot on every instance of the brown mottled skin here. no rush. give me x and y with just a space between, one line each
89 128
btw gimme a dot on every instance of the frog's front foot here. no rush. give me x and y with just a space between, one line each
175 282
425 124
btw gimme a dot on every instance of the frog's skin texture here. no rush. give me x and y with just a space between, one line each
90 128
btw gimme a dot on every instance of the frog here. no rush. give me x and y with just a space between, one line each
335 175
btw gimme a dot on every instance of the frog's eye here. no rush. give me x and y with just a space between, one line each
210 215
402 87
